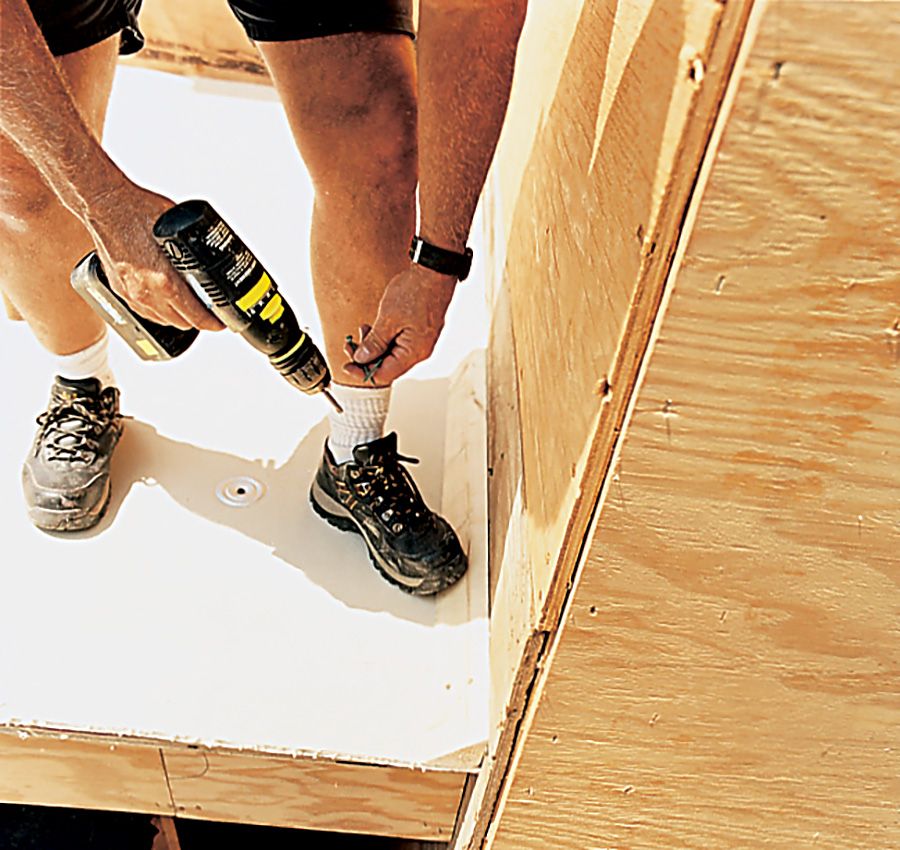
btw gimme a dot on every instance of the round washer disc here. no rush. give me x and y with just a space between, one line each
240 492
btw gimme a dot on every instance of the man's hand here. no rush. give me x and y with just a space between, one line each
138 270
410 320
40 116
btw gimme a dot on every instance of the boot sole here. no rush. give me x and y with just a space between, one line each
68 521
336 515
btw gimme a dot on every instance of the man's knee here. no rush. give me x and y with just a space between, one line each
379 117
357 108
375 124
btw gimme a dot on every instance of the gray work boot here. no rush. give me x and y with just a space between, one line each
374 496
66 473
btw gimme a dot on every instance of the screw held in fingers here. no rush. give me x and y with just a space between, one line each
369 369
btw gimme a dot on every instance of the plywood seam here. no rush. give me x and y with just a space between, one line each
643 315
565 578
464 800
742 46
527 678
743 43
165 770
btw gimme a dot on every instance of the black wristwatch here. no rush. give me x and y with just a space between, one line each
440 259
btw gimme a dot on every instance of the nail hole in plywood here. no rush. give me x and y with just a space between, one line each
696 70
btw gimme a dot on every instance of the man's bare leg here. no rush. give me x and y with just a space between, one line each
351 103
467 52
350 100
40 240
66 473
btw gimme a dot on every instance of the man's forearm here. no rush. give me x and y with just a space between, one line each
38 113
466 56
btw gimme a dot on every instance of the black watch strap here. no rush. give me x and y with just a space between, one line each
440 259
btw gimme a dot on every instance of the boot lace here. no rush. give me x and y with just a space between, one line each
391 492
71 429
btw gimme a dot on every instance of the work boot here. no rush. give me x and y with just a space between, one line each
376 497
66 473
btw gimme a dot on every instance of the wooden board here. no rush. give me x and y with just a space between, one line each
728 671
587 230
200 38
41 769
612 108
323 794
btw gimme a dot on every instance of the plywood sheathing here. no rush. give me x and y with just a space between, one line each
61 770
612 110
727 675
312 794
40 767
200 38
589 219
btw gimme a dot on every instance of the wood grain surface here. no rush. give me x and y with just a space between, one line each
314 793
49 770
612 108
200 38
587 227
94 771
728 672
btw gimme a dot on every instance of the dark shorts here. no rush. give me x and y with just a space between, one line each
70 25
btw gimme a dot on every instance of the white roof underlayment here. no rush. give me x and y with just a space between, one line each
257 627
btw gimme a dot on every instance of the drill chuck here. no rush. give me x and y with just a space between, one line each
235 287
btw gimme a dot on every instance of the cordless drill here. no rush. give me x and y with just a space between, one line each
225 275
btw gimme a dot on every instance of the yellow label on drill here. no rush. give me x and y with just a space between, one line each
253 297
273 310
147 347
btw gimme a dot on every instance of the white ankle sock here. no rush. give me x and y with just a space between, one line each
90 362
365 411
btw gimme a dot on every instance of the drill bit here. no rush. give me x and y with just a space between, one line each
333 400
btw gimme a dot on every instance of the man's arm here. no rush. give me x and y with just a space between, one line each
466 56
38 113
